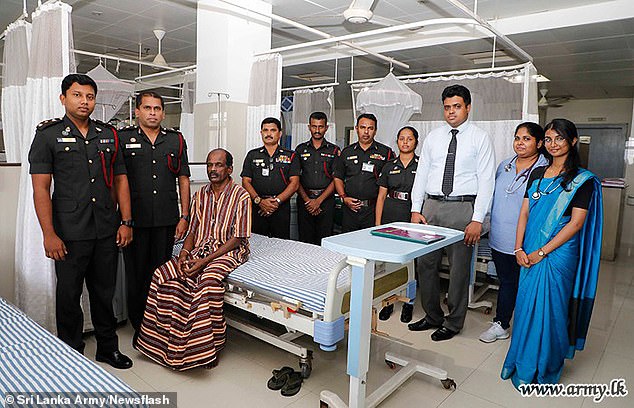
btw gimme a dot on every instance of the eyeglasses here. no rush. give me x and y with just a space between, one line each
557 140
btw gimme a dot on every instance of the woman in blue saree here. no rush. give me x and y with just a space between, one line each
558 246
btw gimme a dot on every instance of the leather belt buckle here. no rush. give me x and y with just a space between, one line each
400 195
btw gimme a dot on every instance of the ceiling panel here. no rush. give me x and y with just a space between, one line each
578 47
598 53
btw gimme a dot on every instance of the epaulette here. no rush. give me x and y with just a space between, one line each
104 124
130 127
395 161
172 130
50 122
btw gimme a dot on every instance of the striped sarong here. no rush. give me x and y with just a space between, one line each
183 325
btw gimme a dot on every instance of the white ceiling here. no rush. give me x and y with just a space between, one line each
589 61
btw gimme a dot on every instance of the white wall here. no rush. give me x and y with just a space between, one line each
579 111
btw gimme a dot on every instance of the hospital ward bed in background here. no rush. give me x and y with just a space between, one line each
32 361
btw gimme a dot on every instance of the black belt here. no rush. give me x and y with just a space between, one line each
312 193
399 195
469 198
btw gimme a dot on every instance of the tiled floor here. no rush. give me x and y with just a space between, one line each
246 364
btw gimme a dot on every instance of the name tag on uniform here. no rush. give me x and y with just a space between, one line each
265 172
133 145
66 140
367 167
351 157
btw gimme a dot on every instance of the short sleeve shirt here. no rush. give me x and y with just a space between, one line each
83 171
270 174
153 171
316 164
396 177
359 169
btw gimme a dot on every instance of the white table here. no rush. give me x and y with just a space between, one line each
362 250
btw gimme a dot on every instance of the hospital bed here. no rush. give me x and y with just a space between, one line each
306 289
33 361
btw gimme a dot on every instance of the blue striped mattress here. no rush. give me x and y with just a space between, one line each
290 269
33 360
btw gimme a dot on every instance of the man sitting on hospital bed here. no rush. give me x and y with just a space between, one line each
184 326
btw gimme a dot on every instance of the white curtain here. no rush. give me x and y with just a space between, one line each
307 101
14 71
112 93
499 102
265 93
187 112
393 104
50 61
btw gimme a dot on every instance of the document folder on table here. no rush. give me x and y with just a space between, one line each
420 236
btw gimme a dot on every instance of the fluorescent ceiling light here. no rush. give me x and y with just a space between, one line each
489 60
312 77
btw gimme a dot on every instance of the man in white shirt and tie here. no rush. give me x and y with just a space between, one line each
453 188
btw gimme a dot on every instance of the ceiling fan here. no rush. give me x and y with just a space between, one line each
552 101
358 13
159 59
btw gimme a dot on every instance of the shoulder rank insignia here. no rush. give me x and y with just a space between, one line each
49 122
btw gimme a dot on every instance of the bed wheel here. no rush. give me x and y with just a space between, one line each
448 383
306 369
390 364
487 311
306 365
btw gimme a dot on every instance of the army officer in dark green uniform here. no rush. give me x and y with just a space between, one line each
394 202
356 171
80 224
156 160
271 176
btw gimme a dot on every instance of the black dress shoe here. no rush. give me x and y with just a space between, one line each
386 312
421 325
115 359
406 313
443 334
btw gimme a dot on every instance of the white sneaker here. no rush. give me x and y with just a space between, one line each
494 333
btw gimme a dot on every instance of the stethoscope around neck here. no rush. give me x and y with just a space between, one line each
519 179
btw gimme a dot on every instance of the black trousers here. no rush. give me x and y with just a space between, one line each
277 225
508 272
312 228
94 261
352 221
150 248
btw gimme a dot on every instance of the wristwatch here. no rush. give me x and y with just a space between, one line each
127 223
257 200
541 253
278 200
186 218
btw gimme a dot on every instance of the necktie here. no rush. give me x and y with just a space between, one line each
450 164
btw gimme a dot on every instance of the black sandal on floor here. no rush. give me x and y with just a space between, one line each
293 385
279 379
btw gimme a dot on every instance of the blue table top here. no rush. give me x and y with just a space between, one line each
362 244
